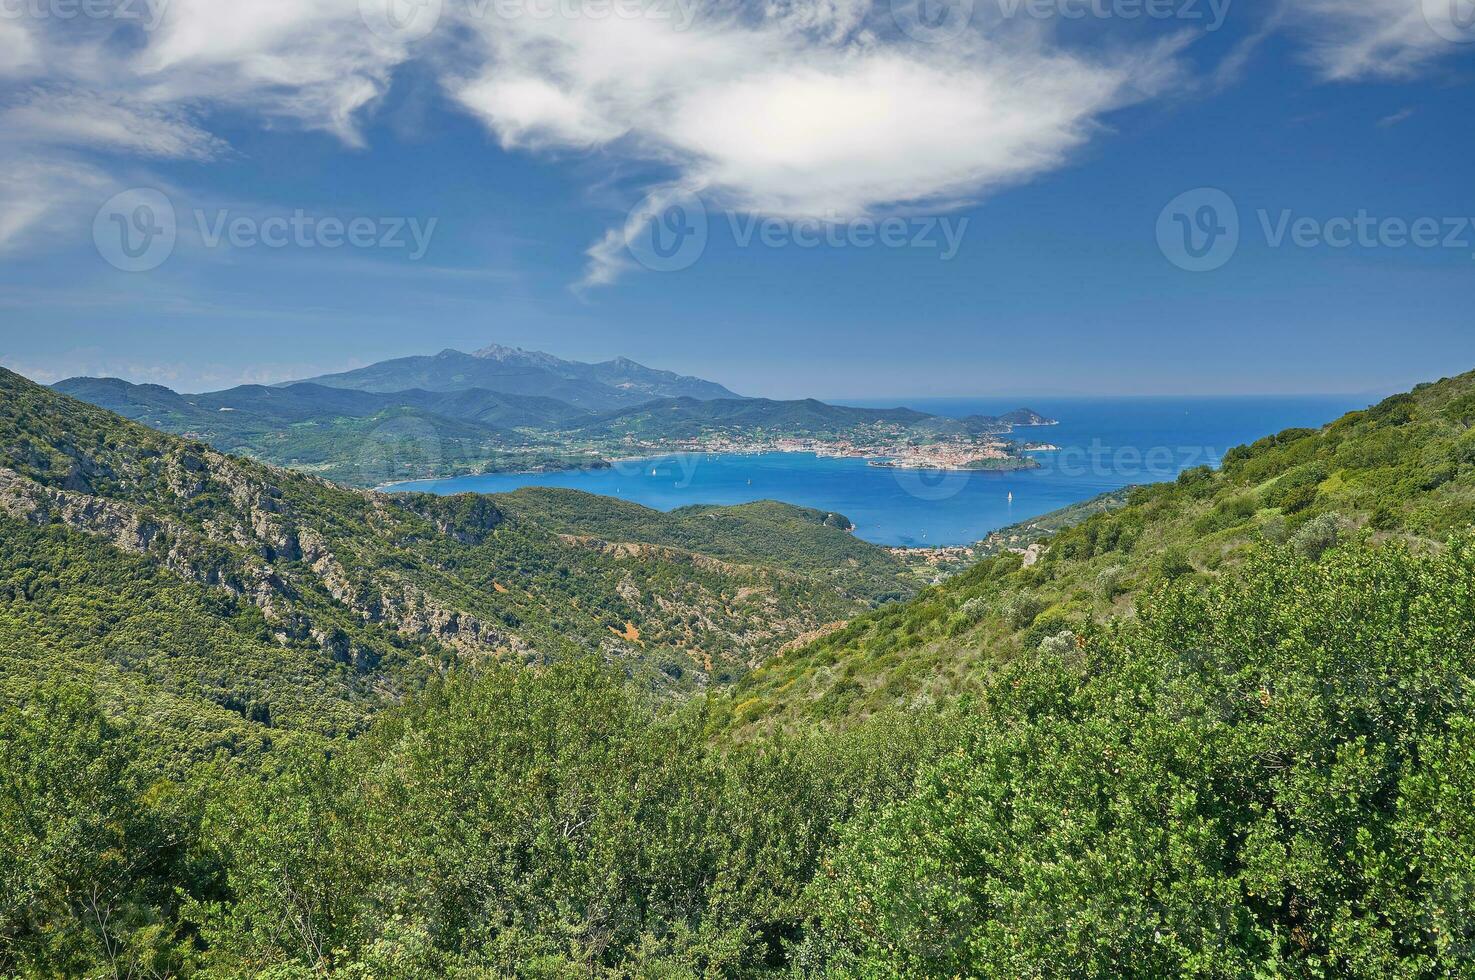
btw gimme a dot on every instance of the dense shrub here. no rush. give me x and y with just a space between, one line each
1267 776
1020 610
1316 536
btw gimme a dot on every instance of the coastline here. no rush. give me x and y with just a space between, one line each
1012 464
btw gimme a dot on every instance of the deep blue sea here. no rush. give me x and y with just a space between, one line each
1106 443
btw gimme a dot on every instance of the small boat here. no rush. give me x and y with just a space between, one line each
1011 496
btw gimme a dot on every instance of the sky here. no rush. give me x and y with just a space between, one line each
827 198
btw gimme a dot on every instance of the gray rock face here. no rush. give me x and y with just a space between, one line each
260 556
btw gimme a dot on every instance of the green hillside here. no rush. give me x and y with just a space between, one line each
1403 469
1220 730
446 426
374 593
353 437
765 531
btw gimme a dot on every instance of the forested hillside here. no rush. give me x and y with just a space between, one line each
331 601
1221 731
1402 470
445 425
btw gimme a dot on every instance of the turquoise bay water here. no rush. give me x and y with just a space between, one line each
1106 443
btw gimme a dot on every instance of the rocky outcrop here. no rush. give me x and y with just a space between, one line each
271 572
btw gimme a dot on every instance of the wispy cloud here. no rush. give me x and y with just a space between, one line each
90 119
35 193
1393 119
808 112
1351 40
17 51
92 362
792 108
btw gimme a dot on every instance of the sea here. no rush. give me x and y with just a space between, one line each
1104 444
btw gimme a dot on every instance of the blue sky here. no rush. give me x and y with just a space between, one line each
1018 163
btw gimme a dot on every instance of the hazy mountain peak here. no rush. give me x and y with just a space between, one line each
516 355
512 370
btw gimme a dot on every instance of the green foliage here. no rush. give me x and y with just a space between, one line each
1173 563
1264 770
766 532
1316 536
1257 777
1404 469
1021 610
1110 582
509 823
94 844
364 597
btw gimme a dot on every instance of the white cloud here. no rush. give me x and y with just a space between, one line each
1351 40
804 112
17 50
797 108
87 119
312 61
36 192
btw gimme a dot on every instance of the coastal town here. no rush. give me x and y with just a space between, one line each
887 446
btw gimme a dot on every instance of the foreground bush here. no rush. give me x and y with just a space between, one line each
1267 773
1266 776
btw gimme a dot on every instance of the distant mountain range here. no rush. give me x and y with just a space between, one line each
509 370
499 408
